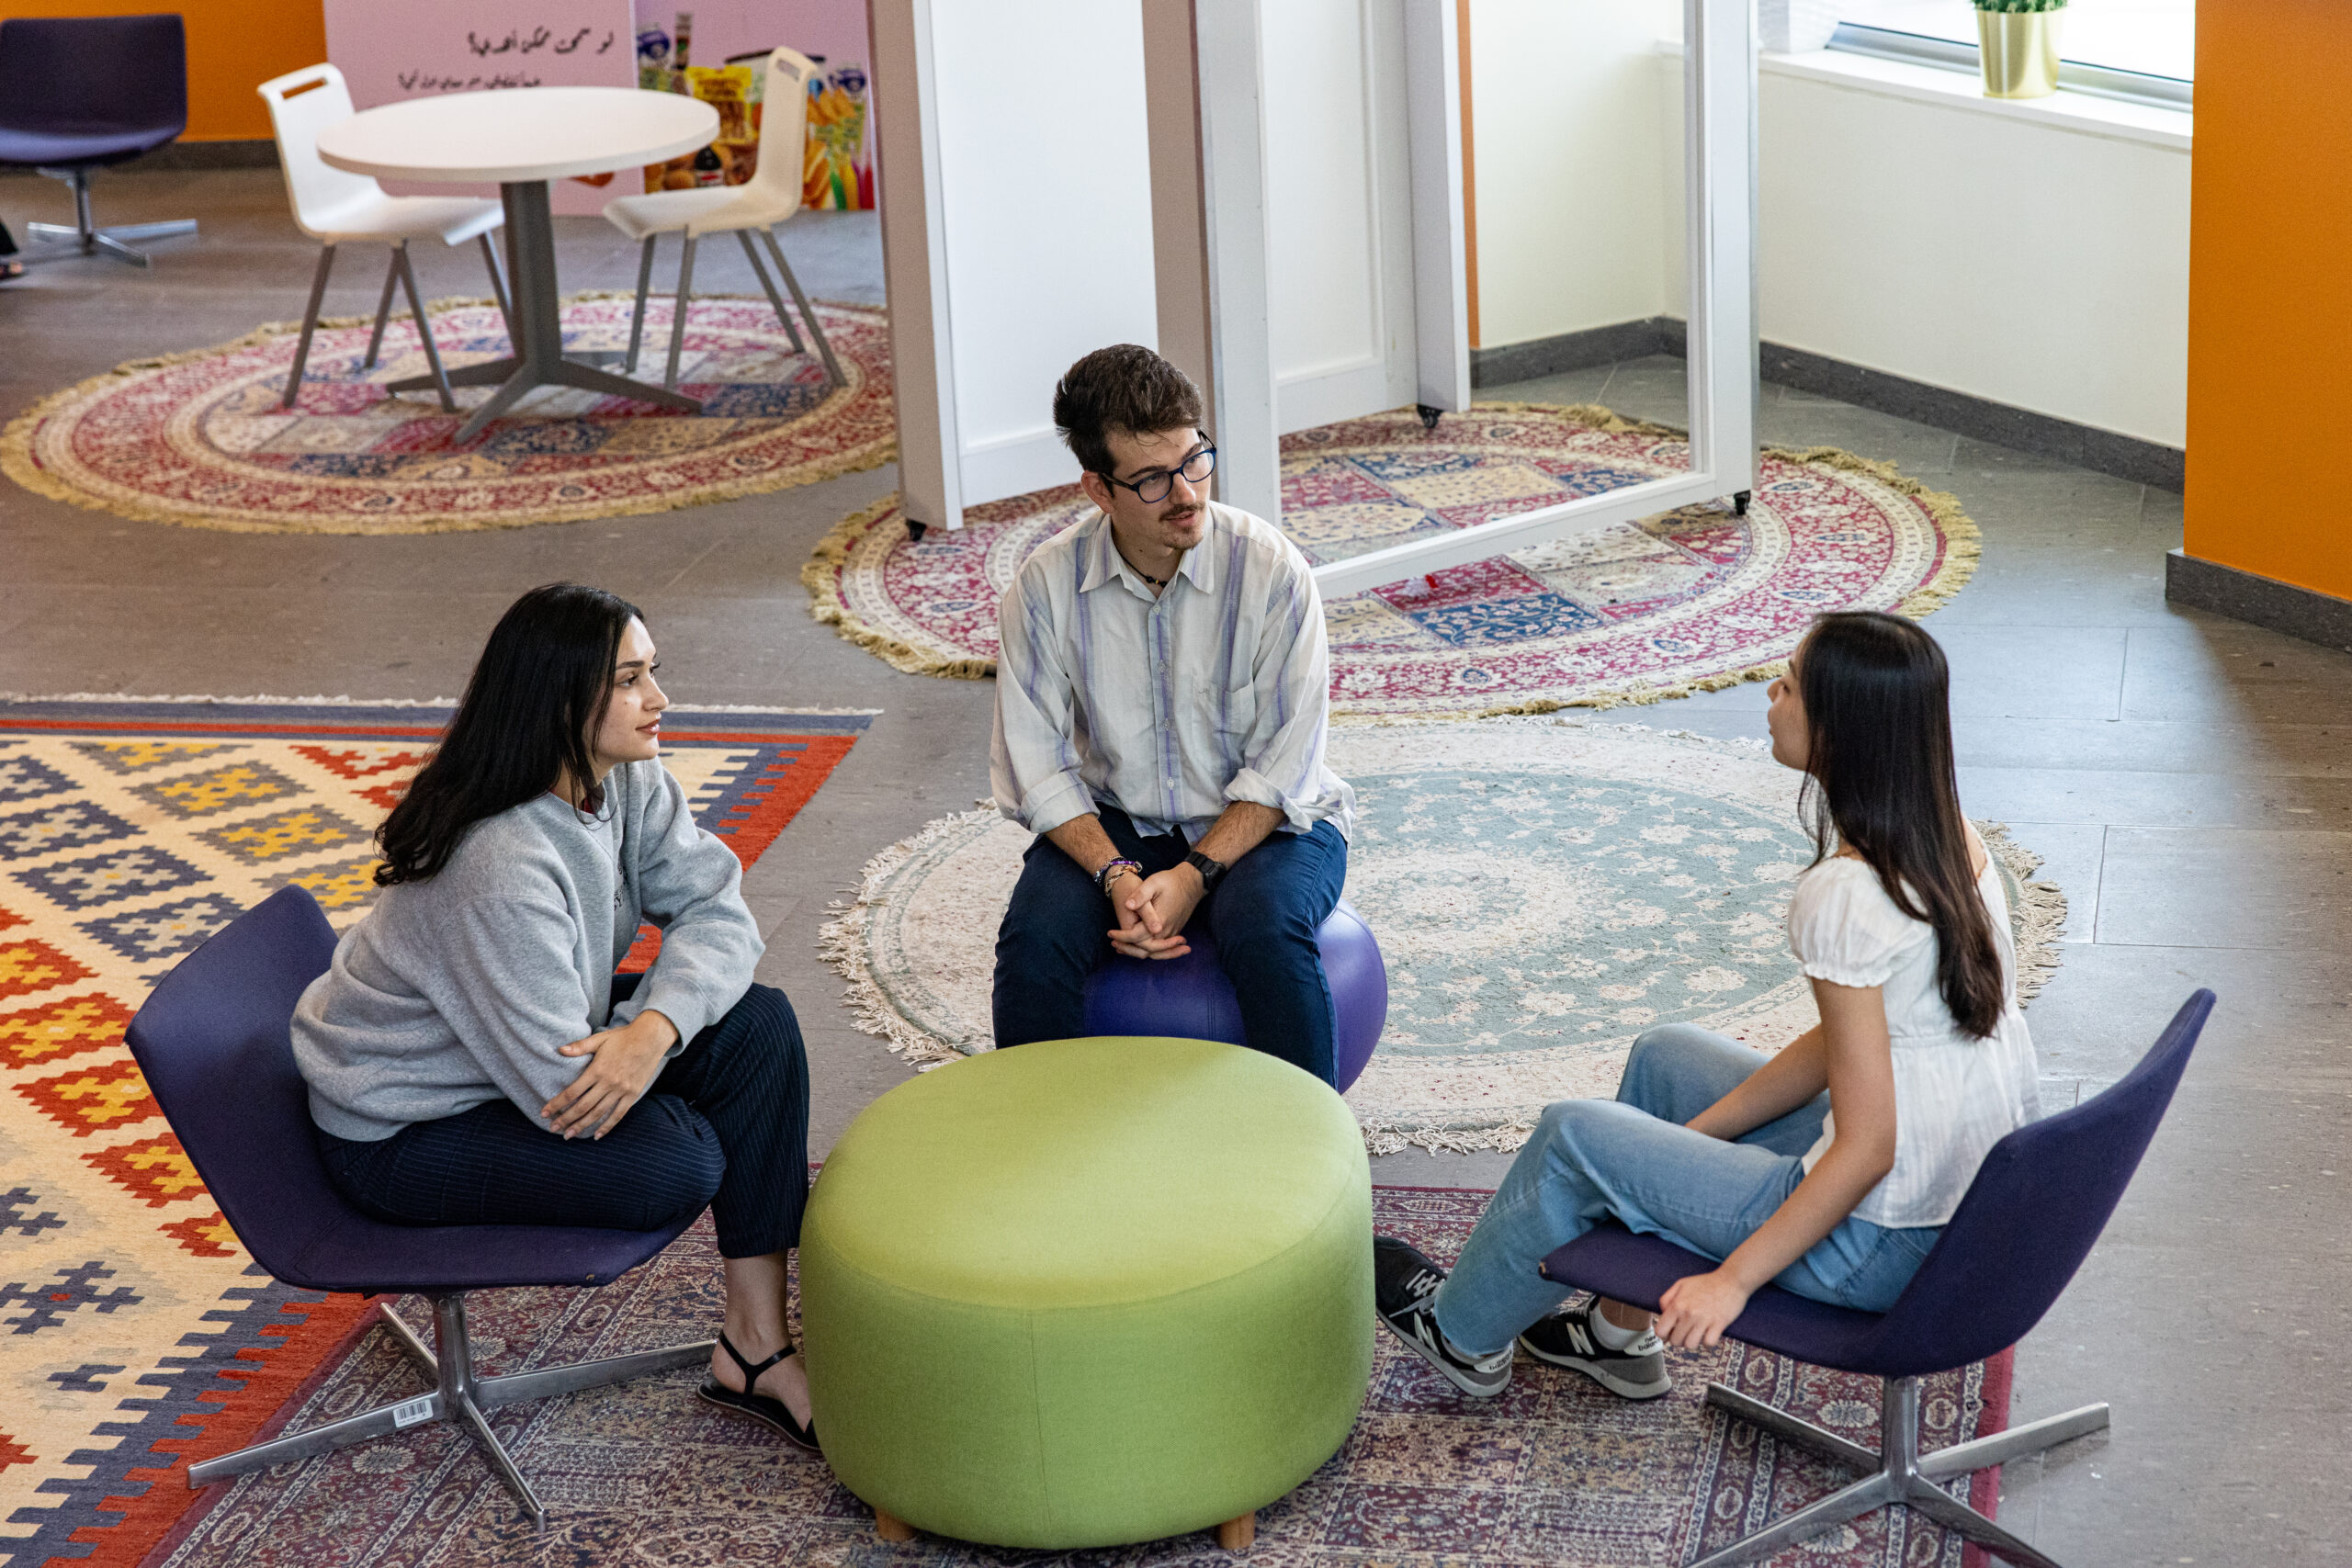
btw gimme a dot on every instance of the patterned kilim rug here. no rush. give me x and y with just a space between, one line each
199 438
134 1331
1681 601
1555 1471
1543 890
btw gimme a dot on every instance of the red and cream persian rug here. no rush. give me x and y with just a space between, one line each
1684 601
136 1334
199 438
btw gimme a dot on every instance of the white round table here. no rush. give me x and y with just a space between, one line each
522 137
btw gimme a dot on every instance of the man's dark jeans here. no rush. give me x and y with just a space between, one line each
1262 917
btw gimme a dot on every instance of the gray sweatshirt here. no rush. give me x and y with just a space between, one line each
462 988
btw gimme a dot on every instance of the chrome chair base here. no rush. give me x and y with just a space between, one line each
461 1396
1896 1475
83 237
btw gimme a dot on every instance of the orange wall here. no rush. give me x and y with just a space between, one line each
234 46
2270 292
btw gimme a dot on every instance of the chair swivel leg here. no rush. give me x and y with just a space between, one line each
637 317
424 328
678 315
460 1394
85 238
498 286
383 308
760 271
1896 1474
309 325
457 1385
816 330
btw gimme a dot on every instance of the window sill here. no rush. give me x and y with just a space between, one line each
2081 113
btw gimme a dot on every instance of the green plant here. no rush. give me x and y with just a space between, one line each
2013 5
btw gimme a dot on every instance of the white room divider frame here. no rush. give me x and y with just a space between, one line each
1012 146
1719 113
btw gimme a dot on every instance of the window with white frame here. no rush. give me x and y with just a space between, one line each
2154 40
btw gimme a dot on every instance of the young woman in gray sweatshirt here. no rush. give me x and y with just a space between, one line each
472 1057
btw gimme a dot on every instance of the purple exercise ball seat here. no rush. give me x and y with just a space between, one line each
1190 998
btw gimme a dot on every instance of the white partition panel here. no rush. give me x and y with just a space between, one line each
1719 112
1340 208
1017 228
1441 229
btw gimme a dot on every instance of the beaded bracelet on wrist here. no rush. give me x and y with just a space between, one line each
1102 877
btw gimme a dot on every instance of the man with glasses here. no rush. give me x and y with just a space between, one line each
1161 706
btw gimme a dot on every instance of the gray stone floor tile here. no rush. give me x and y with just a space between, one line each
2071 855
2234 745
2282 1018
1657 388
1920 451
2157 800
2171 887
2204 666
2031 671
1568 386
1426 1168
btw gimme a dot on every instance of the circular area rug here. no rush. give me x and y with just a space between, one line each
1684 601
200 439
1543 891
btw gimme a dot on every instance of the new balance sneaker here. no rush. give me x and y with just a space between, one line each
1566 1338
1403 1285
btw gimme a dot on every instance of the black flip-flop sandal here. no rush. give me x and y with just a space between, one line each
758 1407
11 270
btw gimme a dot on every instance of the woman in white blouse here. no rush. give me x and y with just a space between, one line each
1828 1169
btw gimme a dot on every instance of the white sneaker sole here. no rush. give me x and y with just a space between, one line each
1452 1374
1606 1376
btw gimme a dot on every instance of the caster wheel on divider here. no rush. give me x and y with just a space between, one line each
1429 415
914 529
1739 504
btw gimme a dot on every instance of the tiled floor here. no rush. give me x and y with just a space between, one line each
2188 779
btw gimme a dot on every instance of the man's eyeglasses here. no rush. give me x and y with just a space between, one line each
1152 488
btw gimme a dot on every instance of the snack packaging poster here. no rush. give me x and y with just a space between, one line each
422 48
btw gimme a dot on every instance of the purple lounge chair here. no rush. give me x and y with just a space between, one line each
2028 1220
80 92
213 1042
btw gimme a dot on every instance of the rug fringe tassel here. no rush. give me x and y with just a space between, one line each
842 945
822 575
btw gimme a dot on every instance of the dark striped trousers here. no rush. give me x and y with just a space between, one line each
726 1125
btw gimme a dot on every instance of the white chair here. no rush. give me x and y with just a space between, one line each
336 208
770 196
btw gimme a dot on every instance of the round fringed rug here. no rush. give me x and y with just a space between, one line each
1543 890
1684 601
200 439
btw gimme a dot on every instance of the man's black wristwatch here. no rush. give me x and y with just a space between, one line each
1211 871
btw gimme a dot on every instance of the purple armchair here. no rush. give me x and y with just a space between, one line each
213 1042
81 92
2028 1220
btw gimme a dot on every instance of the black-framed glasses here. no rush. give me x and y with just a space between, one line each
1152 488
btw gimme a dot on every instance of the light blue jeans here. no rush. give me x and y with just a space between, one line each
1632 1159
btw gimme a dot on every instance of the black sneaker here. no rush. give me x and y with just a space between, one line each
1403 1283
1565 1339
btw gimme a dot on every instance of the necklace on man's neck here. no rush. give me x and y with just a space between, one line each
1155 581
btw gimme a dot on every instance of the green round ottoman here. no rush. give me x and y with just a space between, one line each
1089 1292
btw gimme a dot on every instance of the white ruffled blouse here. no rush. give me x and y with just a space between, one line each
1956 1095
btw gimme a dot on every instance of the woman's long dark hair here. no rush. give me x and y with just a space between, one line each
538 689
1880 778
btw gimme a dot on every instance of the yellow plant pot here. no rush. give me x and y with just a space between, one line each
2019 49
